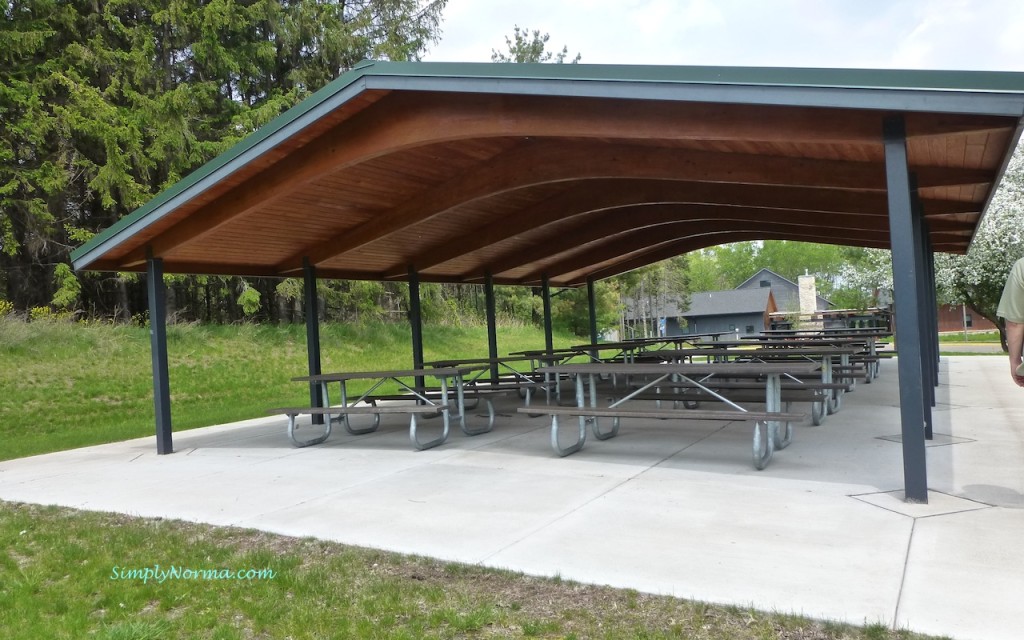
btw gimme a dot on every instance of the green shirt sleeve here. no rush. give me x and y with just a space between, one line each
1011 304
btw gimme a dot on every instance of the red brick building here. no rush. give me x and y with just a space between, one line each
952 318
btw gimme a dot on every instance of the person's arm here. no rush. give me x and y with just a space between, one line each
1015 341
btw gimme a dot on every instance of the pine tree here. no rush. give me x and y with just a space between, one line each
104 103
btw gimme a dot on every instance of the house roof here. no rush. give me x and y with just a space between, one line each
572 172
728 302
763 270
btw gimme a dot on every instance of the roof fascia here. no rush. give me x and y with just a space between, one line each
972 81
978 102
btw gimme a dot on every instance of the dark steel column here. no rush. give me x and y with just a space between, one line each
933 331
492 323
906 280
933 307
545 292
158 351
312 300
924 284
416 323
592 304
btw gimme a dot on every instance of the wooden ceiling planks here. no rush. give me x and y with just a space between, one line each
456 184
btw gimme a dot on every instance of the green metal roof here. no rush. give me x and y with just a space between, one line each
996 81
881 89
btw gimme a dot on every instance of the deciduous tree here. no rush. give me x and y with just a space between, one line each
977 278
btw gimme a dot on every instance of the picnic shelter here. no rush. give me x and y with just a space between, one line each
561 175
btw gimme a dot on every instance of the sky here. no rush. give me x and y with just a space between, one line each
892 34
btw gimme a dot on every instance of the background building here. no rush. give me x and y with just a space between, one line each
744 311
785 291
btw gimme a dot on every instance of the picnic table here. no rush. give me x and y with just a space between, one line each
674 341
541 357
451 395
869 339
828 373
505 375
772 427
827 331
628 349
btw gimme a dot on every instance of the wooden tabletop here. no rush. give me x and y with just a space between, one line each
776 343
738 369
551 353
627 345
809 340
770 352
397 373
848 333
456 362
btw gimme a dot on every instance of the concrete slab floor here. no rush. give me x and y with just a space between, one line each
664 507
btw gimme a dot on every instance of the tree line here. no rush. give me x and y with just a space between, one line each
105 103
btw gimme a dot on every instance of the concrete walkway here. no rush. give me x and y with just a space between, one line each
673 508
971 347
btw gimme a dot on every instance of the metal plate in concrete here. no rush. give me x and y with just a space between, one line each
938 439
938 503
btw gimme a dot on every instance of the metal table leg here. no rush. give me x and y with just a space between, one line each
581 437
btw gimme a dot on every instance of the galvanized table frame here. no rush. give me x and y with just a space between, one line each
767 435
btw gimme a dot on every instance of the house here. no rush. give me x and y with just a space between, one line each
785 291
745 309
742 310
957 317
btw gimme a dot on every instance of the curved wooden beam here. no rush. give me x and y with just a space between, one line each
599 195
544 162
675 248
624 244
401 121
672 249
615 222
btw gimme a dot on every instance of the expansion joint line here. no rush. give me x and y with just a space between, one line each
903 577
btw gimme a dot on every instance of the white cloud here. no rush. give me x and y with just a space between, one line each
966 34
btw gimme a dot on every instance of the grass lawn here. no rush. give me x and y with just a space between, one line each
80 385
67 574
972 336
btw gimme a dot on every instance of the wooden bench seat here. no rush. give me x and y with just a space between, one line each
818 394
772 429
730 384
684 414
502 385
736 395
361 409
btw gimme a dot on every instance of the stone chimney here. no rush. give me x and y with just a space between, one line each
808 301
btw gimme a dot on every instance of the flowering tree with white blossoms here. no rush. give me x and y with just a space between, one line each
977 278
869 275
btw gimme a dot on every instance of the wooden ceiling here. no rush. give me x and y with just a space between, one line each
377 178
